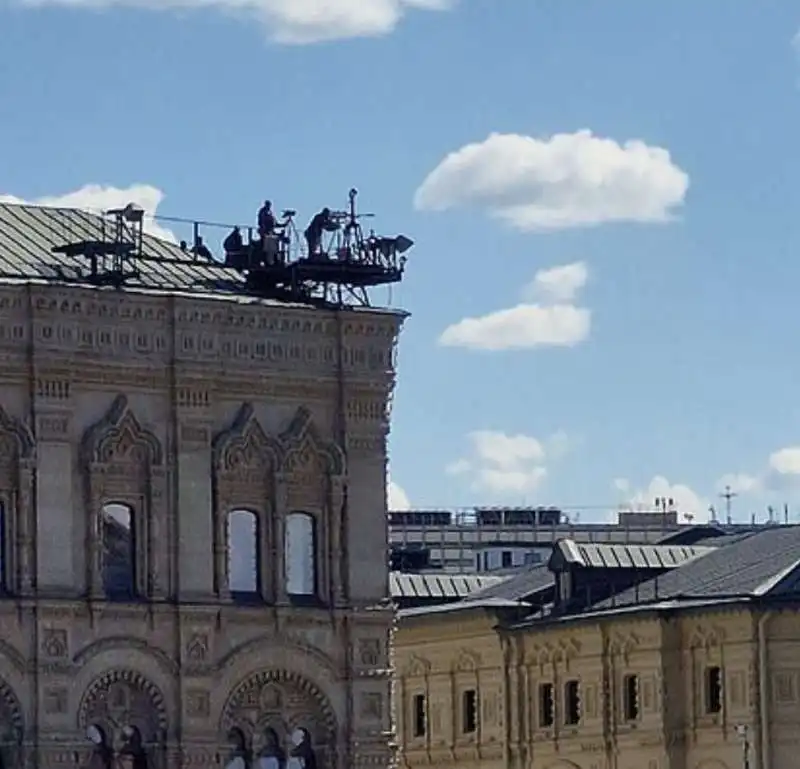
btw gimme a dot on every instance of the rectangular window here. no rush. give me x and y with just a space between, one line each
572 703
506 561
420 715
546 705
713 684
469 711
630 697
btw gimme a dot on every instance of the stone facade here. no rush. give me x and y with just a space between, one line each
648 691
180 411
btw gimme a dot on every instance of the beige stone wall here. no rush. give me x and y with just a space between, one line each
670 656
185 409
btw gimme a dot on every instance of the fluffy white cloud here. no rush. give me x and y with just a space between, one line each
396 496
783 471
97 198
501 463
552 322
559 284
566 180
294 22
739 483
688 503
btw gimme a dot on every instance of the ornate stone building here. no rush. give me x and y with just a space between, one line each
193 545
672 656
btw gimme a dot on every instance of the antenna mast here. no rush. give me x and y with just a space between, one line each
728 496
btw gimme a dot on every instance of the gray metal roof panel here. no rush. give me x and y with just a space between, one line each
761 563
29 233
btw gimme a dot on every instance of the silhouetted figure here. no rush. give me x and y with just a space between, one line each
184 245
322 222
302 754
234 242
266 220
200 249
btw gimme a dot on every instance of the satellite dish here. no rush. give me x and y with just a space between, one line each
298 737
94 735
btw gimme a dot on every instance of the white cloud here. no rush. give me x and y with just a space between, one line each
783 471
293 22
501 463
738 483
97 199
559 284
396 496
553 322
685 500
566 180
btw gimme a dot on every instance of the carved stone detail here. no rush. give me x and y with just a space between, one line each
55 643
198 703
55 700
124 698
369 652
372 706
197 648
284 701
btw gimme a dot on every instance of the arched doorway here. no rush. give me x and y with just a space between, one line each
123 714
278 720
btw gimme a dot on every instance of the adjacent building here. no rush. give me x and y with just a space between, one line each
193 558
684 655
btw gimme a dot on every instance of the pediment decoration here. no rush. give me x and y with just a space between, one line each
123 698
305 453
704 637
16 441
280 702
467 661
245 446
622 644
119 438
418 667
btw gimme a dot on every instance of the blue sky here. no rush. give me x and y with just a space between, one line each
644 165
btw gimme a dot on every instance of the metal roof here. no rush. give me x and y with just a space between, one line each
442 587
597 556
29 233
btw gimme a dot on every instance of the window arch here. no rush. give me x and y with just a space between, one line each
244 567
119 551
4 554
300 555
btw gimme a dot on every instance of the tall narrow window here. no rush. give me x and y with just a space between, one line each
243 577
3 554
713 684
119 552
546 705
420 715
630 697
300 555
469 711
572 703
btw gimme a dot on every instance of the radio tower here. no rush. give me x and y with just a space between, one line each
728 496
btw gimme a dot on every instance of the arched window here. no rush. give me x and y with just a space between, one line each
300 555
243 561
4 585
119 552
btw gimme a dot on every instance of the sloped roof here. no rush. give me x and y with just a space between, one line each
764 563
518 586
603 556
441 587
29 233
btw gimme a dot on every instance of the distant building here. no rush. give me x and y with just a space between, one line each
487 539
672 656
